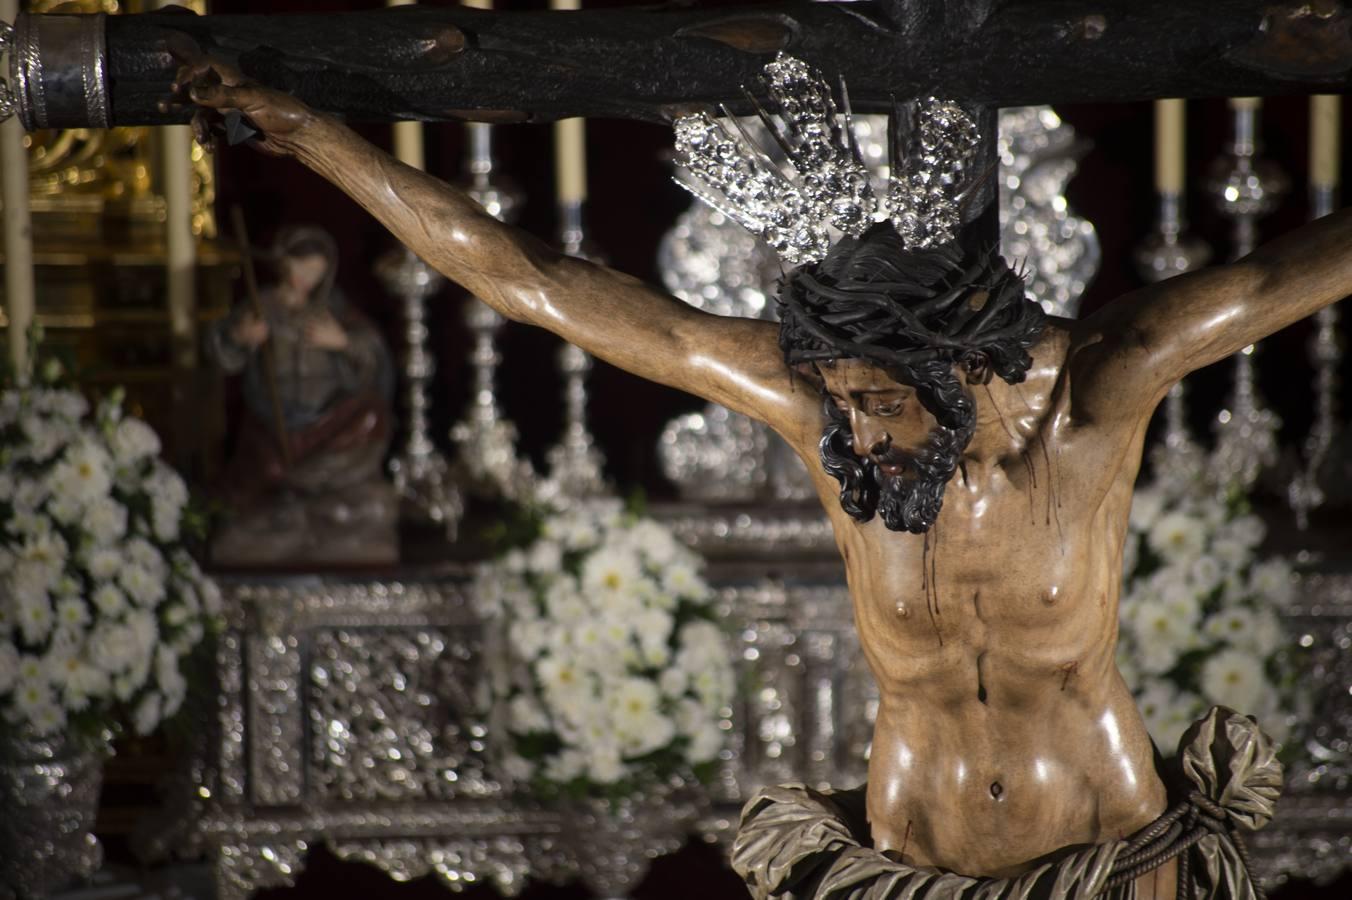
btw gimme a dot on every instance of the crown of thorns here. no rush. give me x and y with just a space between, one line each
908 311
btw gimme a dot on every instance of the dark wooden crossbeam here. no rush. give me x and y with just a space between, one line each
649 63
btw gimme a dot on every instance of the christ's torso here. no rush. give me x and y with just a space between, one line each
1004 731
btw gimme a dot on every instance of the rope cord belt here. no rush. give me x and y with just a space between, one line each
1170 836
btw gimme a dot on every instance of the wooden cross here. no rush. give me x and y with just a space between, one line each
438 64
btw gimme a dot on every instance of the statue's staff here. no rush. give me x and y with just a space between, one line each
265 350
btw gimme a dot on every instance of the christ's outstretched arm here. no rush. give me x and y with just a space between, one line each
1128 354
735 362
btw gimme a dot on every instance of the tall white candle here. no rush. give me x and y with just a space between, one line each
176 149
20 289
176 153
1325 143
408 136
570 144
1169 121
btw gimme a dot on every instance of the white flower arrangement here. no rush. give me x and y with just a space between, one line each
100 600
1199 613
610 672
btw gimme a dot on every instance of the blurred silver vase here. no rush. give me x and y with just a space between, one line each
49 794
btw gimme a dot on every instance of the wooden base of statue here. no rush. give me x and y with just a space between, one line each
357 526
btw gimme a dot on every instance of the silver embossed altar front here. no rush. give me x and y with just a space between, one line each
346 719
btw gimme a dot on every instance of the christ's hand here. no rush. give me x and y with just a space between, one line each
215 87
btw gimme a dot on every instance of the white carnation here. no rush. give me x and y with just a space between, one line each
165 519
67 404
705 744
526 716
143 553
683 581
607 573
1177 536
103 564
87 681
147 715
565 765
106 521
545 557
43 437
529 638
47 718
115 648
1233 678
1271 581
655 542
1160 638
35 616
212 604
132 441
110 600
673 682
1146 506
1205 574
31 695
143 587
46 550
604 764
564 603
66 509
72 613
1248 531
165 486
84 471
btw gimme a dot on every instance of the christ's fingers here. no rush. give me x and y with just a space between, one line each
223 96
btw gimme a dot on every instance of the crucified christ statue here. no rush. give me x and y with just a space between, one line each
980 519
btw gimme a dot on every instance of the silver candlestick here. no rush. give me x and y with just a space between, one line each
575 463
1305 492
421 473
1245 188
1167 251
485 437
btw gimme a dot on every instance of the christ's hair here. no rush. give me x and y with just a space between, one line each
917 315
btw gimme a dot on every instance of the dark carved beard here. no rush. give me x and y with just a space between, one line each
909 501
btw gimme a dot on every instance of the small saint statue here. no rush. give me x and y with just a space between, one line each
305 482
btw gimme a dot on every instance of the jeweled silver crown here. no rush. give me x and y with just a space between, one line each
827 193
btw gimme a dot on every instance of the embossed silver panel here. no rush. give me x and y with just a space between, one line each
377 680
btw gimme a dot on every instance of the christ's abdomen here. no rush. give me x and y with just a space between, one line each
982 790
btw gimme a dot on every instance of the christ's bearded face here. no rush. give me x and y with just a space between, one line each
891 455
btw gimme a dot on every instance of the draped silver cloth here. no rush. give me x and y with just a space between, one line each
798 843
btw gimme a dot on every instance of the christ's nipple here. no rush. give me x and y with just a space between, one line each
902 610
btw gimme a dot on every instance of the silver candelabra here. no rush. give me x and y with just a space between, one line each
420 471
1245 188
485 437
1167 251
575 463
1305 492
